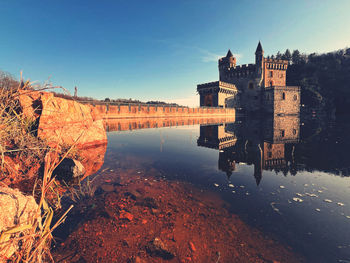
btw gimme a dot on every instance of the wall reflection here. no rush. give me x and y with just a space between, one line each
146 123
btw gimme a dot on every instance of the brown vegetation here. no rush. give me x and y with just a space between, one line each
22 154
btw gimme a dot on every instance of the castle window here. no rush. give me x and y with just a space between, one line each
283 96
271 83
295 97
294 131
251 86
270 154
271 73
282 133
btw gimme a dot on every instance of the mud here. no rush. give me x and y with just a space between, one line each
137 218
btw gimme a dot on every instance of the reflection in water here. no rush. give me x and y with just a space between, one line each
146 123
168 166
267 143
92 157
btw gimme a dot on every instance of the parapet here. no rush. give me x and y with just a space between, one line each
216 84
244 67
276 63
273 60
241 71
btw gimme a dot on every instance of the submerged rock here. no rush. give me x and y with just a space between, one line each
157 248
69 169
297 199
148 202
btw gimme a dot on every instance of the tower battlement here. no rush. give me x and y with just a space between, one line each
276 64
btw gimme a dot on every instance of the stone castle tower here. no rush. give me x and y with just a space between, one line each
251 87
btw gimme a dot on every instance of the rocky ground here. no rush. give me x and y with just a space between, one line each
133 218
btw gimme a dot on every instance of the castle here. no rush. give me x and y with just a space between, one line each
253 87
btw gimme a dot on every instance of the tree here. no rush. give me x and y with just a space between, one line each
287 55
107 100
296 58
278 55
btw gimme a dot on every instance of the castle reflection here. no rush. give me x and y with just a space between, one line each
266 143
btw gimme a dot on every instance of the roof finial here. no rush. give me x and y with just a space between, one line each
259 48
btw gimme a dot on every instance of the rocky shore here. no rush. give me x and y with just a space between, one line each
54 140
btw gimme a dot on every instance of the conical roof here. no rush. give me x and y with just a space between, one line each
259 48
229 54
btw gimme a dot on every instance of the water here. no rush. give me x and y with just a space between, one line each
286 177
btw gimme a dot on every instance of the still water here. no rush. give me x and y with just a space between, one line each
286 177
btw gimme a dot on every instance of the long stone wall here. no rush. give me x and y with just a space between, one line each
107 111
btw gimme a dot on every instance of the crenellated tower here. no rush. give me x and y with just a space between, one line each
225 64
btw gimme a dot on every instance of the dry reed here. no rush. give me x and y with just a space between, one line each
17 137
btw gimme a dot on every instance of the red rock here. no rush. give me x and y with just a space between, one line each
63 121
192 247
126 215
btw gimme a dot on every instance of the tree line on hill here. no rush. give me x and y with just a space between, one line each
324 79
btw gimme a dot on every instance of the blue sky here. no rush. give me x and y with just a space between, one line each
156 50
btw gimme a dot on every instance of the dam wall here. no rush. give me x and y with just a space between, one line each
108 111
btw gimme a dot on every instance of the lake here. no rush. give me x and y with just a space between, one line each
234 191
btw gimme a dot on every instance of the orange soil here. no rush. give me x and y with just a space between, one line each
118 224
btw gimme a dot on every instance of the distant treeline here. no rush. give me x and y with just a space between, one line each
131 101
112 101
324 79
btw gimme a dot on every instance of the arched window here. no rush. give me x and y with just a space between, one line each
283 96
251 85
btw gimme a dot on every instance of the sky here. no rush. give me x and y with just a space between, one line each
157 50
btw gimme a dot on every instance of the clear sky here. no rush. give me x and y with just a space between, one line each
157 50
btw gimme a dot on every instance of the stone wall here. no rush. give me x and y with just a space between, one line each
107 111
287 100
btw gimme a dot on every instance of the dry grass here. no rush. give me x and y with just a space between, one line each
18 138
81 191
34 238
17 133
